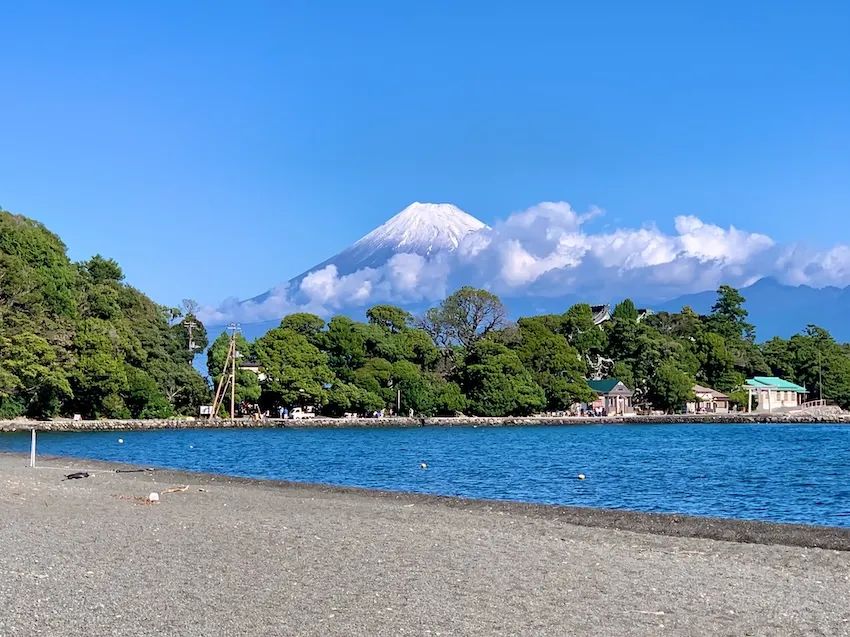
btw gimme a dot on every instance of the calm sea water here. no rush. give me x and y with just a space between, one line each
782 473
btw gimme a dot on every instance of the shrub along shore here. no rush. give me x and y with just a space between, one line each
320 423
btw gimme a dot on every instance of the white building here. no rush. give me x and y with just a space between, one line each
774 394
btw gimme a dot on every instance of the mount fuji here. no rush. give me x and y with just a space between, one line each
423 229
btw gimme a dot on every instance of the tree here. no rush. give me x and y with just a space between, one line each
728 316
376 376
580 330
190 306
625 311
296 371
496 383
308 325
103 270
466 316
99 375
143 398
716 363
390 318
77 339
554 364
624 374
347 398
29 371
448 398
416 346
670 387
345 346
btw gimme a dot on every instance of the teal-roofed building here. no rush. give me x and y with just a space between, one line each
614 397
774 394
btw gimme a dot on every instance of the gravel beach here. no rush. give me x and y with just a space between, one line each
240 557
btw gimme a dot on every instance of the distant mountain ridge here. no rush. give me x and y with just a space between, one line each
780 310
775 309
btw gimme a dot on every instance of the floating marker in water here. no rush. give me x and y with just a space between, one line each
120 441
581 476
423 465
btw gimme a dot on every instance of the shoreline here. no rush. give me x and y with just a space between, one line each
221 556
9 426
672 525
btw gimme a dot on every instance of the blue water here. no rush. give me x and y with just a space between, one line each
782 473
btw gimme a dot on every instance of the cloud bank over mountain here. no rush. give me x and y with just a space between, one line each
548 250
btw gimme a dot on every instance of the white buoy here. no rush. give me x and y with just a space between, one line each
423 466
581 476
120 441
153 497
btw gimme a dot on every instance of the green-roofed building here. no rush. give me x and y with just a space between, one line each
774 394
614 397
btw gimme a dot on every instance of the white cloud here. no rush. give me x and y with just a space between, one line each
547 250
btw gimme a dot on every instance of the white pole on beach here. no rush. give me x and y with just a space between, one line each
32 450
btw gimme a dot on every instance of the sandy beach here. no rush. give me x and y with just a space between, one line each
240 557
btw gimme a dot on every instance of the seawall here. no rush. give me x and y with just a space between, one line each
140 425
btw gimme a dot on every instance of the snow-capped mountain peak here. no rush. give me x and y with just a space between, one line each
423 228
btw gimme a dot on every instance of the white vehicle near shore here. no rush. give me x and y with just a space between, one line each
298 413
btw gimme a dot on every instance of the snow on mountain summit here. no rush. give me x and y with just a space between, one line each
423 228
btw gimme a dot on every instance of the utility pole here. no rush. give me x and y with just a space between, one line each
191 325
228 378
235 329
820 376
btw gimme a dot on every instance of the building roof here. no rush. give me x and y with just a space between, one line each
699 389
603 386
601 313
772 382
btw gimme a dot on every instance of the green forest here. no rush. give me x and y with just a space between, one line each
464 356
76 339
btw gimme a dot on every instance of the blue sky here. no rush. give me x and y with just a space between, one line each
174 136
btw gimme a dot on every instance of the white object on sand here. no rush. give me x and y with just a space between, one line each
153 497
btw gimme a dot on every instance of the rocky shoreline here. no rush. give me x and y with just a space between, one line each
327 423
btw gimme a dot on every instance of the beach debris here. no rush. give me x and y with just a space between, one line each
581 476
137 499
177 489
133 470
77 476
153 497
